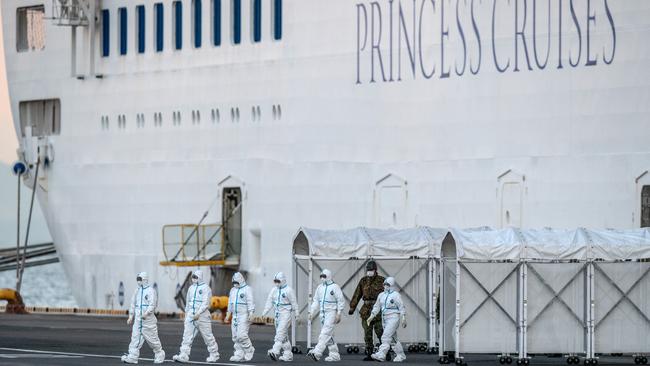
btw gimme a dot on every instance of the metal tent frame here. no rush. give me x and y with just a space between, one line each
555 291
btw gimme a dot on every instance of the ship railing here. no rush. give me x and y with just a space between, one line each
70 12
193 245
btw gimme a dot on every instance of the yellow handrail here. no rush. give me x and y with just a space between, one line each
191 244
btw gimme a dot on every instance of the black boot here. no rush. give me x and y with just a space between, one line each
368 352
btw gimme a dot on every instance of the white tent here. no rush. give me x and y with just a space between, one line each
408 255
533 287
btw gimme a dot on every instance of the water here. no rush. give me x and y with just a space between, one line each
42 286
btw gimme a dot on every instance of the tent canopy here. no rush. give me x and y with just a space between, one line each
476 244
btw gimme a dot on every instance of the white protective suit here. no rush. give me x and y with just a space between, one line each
198 320
145 324
329 303
241 308
282 299
393 313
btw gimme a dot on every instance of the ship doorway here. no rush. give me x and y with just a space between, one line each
645 206
511 204
391 197
231 214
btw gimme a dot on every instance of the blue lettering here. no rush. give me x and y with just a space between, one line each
590 18
478 40
611 24
494 47
409 46
375 45
559 37
522 35
443 33
365 37
575 21
548 45
462 38
433 69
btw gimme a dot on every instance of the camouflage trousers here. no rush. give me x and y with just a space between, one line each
367 332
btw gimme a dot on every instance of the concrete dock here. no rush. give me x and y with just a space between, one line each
37 339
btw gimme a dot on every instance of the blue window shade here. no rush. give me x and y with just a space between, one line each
106 33
158 8
178 25
257 20
216 22
123 29
140 10
236 21
277 20
197 22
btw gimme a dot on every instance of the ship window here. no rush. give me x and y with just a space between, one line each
277 20
257 20
140 26
236 21
178 24
30 28
216 22
43 116
158 25
645 206
123 30
106 33
197 22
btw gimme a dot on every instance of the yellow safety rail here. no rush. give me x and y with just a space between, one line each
189 245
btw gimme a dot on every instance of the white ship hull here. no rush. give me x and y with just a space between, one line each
558 147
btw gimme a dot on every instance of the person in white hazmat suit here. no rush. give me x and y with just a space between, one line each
198 320
328 303
393 314
282 299
241 308
145 324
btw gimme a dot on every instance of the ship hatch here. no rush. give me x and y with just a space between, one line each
189 245
645 206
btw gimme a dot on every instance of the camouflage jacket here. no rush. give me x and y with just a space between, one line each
369 289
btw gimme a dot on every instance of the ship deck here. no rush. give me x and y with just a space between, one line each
92 340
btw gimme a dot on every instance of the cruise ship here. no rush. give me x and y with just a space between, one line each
226 125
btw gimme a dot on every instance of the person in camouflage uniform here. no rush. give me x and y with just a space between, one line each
369 288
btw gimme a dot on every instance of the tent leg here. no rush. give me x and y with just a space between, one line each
309 300
432 302
590 311
443 311
295 287
457 318
523 308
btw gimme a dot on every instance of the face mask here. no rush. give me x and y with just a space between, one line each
370 273
386 288
195 279
235 284
323 278
139 283
277 283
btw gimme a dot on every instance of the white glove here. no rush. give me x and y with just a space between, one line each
403 321
370 320
337 319
196 317
311 317
251 315
129 320
144 316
